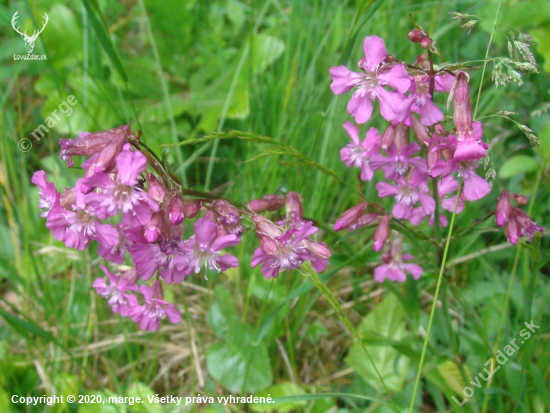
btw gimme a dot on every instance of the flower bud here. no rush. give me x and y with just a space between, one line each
426 43
511 231
157 289
350 216
175 209
432 156
106 159
502 212
318 249
420 131
462 111
401 136
68 198
269 202
152 229
293 207
415 36
266 227
382 232
388 136
364 220
191 209
267 244
156 191
129 274
520 199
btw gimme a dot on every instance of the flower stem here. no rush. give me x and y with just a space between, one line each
434 305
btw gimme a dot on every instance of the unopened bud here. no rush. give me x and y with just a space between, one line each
191 209
420 131
415 36
68 198
175 209
401 136
462 110
388 136
350 216
318 249
520 199
152 229
293 207
267 244
382 232
129 274
364 220
426 43
268 202
156 191
432 156
157 289
266 227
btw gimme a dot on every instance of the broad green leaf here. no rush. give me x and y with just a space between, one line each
518 164
222 314
284 389
387 320
229 361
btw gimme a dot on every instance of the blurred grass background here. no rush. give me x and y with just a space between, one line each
179 69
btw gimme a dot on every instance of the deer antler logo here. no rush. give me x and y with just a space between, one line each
29 40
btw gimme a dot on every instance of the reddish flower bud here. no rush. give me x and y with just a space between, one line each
420 131
511 231
502 212
191 209
415 36
318 249
267 244
293 207
129 274
157 289
269 202
388 136
426 43
350 216
401 136
520 199
68 198
152 229
364 220
432 156
156 191
106 159
175 209
422 61
382 232
462 110
266 227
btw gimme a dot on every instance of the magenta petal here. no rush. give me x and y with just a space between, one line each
402 211
352 131
390 103
106 235
380 273
360 107
385 189
447 185
442 168
430 114
375 52
172 314
343 80
475 187
469 150
414 269
397 77
205 231
227 261
225 241
396 274
427 202
366 172
130 166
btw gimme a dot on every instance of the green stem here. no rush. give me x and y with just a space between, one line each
434 305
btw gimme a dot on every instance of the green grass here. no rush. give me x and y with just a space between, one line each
194 68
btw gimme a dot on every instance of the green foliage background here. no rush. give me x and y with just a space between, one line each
182 69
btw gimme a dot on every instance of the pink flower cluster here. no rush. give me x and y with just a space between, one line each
420 176
130 211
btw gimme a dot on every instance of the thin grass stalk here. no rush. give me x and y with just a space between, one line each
434 304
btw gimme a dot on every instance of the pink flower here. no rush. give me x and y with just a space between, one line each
48 192
370 83
398 161
407 193
287 251
350 217
475 187
204 247
119 191
166 256
445 186
155 309
394 269
420 100
357 153
115 291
